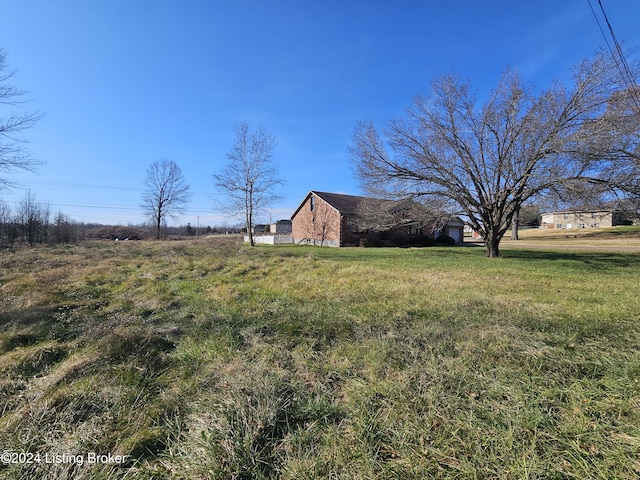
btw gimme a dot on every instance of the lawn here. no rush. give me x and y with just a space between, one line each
210 359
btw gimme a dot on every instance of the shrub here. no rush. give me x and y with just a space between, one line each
420 241
445 240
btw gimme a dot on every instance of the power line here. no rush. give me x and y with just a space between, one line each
84 185
188 212
88 185
106 207
617 55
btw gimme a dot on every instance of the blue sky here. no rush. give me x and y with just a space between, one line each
123 83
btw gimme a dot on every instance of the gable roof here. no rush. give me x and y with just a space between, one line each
349 204
352 205
345 204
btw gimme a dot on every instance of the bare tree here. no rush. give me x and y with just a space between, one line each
380 215
249 179
33 219
165 194
323 225
8 229
65 230
488 160
13 155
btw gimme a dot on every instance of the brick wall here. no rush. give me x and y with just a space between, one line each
319 226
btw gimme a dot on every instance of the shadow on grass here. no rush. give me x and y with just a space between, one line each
26 326
604 261
473 259
630 231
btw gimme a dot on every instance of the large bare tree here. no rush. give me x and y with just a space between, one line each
487 160
13 155
380 215
250 178
165 194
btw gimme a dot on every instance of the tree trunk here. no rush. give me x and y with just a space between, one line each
250 226
158 225
248 204
492 242
250 232
515 224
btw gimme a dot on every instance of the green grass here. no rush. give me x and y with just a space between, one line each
209 359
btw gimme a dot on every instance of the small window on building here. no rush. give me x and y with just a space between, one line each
558 225
312 202
566 216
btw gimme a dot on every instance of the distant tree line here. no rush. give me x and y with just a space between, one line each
30 222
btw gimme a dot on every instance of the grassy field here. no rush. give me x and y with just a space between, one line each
209 359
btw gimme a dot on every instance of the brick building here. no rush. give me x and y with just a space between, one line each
331 219
581 219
